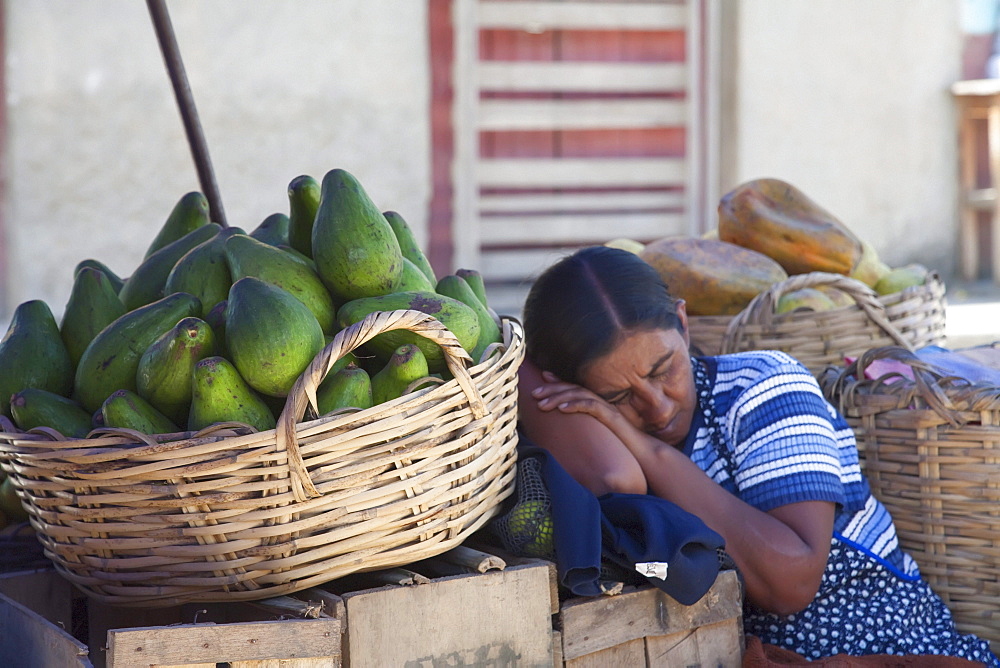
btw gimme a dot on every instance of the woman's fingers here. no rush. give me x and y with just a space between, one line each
550 389
572 399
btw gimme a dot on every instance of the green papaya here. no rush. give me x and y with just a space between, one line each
273 230
216 319
303 201
345 360
163 377
33 407
248 257
190 212
275 404
220 394
146 283
110 361
475 281
126 409
203 271
271 336
32 354
489 333
349 387
116 281
301 257
406 365
354 247
93 305
461 320
408 245
414 279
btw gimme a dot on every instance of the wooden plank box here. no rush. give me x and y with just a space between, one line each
430 614
646 628
442 616
42 616
492 618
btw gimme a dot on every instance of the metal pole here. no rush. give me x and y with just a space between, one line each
185 102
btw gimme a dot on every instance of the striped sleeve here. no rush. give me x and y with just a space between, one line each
786 448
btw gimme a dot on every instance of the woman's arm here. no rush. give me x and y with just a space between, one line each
588 450
781 554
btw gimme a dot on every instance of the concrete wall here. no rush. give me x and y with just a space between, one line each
849 100
97 154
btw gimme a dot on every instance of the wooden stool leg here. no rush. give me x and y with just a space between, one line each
969 218
994 161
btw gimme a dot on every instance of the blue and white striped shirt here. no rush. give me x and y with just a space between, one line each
779 441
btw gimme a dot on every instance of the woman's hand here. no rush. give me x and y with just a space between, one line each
555 394
558 395
591 452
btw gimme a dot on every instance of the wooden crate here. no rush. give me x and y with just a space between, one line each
463 608
646 628
36 633
491 618
41 613
457 610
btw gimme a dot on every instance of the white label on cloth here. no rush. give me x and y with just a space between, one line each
653 569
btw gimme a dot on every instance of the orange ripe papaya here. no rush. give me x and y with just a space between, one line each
713 277
773 217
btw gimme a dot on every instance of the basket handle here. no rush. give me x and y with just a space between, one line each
303 392
844 383
761 309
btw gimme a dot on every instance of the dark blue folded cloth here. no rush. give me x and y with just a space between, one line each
626 529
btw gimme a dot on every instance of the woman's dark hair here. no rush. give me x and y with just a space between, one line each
577 309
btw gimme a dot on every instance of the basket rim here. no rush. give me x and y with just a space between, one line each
953 398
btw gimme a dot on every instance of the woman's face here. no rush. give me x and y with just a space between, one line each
648 377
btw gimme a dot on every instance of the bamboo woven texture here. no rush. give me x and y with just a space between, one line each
912 318
231 514
930 449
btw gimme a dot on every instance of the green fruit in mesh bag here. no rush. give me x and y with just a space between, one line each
530 526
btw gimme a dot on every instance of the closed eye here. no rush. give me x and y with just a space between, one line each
619 399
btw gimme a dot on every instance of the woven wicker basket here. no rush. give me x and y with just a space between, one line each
912 318
231 514
930 448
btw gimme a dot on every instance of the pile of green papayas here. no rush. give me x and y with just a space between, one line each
216 324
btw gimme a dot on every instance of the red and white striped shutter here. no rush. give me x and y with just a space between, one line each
575 122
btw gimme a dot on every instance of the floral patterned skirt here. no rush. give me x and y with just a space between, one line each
864 607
